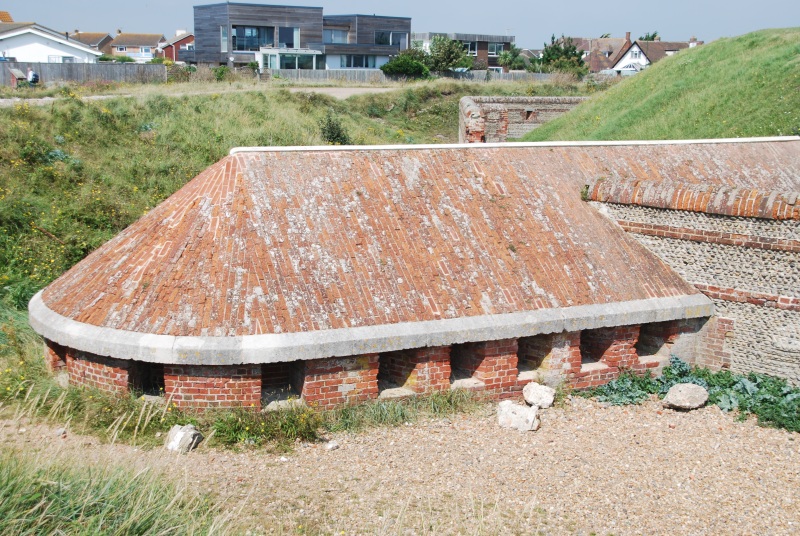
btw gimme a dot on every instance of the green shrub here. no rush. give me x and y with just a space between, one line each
405 65
123 59
332 130
221 73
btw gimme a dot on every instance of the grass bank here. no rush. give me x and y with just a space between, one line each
737 87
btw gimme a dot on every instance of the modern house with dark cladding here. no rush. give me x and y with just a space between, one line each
294 37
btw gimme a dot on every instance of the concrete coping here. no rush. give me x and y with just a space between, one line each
284 347
514 145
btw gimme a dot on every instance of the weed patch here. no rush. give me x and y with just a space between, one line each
772 400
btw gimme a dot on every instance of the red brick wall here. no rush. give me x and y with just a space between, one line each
713 351
213 386
104 373
604 352
420 369
331 382
492 362
55 356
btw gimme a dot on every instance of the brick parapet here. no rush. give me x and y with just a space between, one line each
213 386
711 199
332 382
98 372
714 237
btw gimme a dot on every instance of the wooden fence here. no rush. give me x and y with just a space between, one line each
53 73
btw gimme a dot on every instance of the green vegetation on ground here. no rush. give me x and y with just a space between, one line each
738 87
58 495
772 400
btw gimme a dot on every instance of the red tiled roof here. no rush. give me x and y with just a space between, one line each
277 241
137 40
5 16
657 50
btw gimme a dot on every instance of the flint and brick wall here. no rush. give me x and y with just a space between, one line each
740 247
495 119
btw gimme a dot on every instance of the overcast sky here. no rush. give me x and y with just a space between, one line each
531 21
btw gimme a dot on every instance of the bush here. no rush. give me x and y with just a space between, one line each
123 59
332 130
405 65
221 73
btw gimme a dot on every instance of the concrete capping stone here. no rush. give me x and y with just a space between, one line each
282 347
479 146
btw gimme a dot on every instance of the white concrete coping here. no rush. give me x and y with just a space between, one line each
283 347
513 145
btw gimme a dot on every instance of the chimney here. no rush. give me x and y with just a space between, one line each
66 36
658 38
627 37
179 32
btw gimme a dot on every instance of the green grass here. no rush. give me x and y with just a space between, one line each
738 87
59 495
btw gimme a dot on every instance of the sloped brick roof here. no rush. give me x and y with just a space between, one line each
5 16
762 181
290 241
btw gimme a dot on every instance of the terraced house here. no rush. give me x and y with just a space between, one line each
141 47
294 37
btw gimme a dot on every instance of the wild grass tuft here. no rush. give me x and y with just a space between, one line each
63 495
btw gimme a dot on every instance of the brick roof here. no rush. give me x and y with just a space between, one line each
288 241
137 40
603 52
657 50
5 16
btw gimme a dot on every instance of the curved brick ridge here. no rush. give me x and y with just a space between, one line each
301 240
344 342
708 198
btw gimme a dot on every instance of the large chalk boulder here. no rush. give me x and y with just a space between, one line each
686 396
517 416
539 395
183 438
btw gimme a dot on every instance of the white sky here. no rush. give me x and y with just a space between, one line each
531 21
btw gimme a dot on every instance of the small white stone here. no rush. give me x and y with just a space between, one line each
539 395
331 445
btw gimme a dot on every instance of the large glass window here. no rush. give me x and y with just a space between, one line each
471 48
223 39
495 49
332 37
357 61
251 38
398 39
289 37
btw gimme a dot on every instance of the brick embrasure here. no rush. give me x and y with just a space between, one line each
604 353
332 382
99 372
492 362
213 386
420 369
55 356
713 349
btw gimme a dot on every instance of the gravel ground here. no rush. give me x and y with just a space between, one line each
589 469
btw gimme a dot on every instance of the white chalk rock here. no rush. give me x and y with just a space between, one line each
539 395
183 438
517 416
686 396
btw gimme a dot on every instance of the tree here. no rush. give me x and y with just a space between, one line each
649 36
512 59
561 55
446 54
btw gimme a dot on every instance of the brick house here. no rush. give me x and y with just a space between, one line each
643 53
141 47
346 274
483 48
97 40
179 48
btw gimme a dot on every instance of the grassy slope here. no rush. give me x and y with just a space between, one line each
75 173
738 87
